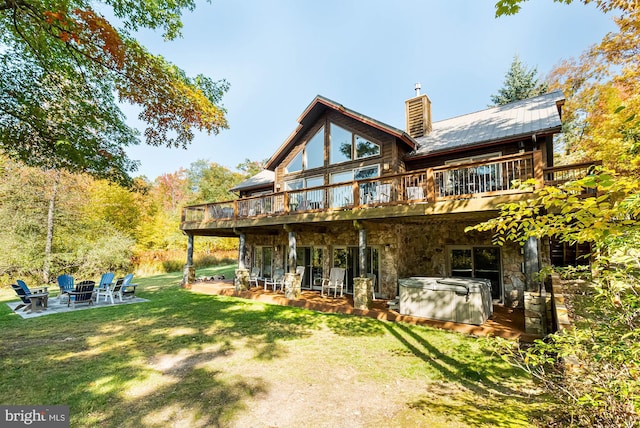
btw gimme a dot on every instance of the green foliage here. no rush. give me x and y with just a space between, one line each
250 168
109 252
64 68
209 182
519 84
511 7
594 368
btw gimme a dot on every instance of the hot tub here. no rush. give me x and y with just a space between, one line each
461 300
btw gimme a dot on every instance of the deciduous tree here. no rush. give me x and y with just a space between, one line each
64 67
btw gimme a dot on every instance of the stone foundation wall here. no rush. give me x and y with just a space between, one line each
416 249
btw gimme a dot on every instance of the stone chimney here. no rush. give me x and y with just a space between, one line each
418 113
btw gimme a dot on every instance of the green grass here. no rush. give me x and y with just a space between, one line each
190 359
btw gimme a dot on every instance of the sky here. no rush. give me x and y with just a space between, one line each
367 55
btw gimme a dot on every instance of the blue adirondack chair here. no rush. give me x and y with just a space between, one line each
103 287
21 289
66 284
128 289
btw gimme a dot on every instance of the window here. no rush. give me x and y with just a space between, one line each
365 148
312 258
264 257
294 184
346 146
311 155
366 172
295 164
477 262
314 150
342 196
348 258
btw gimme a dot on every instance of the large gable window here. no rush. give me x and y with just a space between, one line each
311 156
346 146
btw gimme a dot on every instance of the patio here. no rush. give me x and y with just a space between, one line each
56 307
505 322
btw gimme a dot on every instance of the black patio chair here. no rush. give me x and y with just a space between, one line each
82 293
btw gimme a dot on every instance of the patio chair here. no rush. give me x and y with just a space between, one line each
103 286
26 301
128 289
334 282
277 280
65 282
25 294
300 271
82 293
114 290
254 276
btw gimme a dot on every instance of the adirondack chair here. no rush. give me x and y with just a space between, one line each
26 301
66 284
334 282
104 285
29 301
82 293
128 289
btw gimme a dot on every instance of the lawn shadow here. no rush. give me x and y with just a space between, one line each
480 382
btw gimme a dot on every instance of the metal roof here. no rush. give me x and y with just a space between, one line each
264 178
537 115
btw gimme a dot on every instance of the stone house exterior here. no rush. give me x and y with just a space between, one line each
346 190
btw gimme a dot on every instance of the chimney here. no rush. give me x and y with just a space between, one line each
418 113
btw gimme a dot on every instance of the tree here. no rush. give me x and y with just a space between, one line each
511 7
250 168
519 84
209 182
603 388
63 65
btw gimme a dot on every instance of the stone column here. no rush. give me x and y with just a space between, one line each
189 272
241 251
362 250
535 308
292 251
292 285
362 291
241 280
531 264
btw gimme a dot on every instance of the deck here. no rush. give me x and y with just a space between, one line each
505 322
473 187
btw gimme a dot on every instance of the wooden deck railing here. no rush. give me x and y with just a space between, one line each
471 180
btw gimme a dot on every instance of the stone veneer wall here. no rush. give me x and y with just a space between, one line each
416 249
422 251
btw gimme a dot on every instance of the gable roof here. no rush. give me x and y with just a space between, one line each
263 179
318 107
537 115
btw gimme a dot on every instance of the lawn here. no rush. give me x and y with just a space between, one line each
187 359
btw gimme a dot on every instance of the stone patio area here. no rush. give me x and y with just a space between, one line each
56 307
505 322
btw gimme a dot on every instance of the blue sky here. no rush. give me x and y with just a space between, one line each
364 54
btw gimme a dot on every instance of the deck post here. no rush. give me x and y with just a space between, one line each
293 257
189 273
538 169
534 294
362 286
241 250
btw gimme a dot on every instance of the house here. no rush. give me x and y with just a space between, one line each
346 190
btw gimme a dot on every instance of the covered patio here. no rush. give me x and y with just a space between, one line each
505 322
